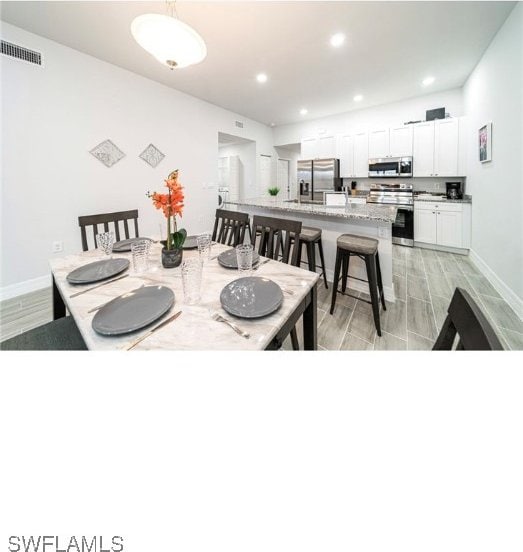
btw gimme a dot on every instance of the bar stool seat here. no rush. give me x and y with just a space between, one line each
309 234
357 244
365 248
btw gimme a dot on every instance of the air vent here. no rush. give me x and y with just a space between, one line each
238 124
21 53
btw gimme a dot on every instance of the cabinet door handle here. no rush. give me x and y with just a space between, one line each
433 212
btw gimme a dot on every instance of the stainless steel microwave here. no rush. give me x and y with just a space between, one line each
390 167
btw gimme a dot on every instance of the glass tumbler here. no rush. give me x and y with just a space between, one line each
244 259
140 255
204 246
105 242
191 280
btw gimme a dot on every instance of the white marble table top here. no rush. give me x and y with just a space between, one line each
194 329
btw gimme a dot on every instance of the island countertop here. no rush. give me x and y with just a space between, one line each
370 212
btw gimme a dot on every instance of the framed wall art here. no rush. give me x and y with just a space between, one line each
485 143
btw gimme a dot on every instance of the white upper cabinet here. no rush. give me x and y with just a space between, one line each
435 151
391 142
423 149
379 143
323 147
309 148
361 155
327 147
354 155
401 141
446 147
346 155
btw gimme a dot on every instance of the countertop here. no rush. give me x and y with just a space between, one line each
378 213
437 198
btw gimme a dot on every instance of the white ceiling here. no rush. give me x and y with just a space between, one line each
390 48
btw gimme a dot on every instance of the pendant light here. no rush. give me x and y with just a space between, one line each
169 40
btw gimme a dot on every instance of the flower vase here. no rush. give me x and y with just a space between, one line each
171 258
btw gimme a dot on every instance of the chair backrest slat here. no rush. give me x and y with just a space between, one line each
466 320
105 219
275 236
229 227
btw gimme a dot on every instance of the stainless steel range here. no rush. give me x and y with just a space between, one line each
402 196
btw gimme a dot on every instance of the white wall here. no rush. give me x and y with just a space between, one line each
494 92
52 116
383 115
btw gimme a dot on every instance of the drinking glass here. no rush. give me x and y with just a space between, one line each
140 255
204 246
105 242
244 259
191 280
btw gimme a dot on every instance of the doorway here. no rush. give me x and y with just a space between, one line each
236 166
283 181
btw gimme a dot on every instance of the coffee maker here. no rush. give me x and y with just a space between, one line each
454 190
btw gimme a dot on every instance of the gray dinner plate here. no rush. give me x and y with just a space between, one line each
251 297
99 270
190 242
125 245
133 310
228 258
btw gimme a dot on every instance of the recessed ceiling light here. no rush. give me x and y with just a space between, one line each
261 77
358 98
303 111
427 81
273 124
337 40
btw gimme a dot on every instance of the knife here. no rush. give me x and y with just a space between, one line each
99 285
150 332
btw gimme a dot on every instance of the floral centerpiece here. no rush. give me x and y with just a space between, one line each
172 206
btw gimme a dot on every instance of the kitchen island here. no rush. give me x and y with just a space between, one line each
374 221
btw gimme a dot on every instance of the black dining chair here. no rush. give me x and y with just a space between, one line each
276 236
59 335
466 320
110 222
229 227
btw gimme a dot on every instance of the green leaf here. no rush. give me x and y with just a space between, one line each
178 238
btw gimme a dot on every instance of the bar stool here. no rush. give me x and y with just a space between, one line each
366 249
311 237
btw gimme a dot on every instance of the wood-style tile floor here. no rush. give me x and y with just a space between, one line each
424 281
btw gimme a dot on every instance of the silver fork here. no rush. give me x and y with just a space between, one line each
220 318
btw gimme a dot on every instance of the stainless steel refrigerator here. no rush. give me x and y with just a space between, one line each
316 176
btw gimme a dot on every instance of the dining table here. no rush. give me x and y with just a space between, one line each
196 327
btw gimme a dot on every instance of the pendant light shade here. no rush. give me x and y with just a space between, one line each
170 41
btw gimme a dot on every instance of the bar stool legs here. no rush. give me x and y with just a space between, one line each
311 257
372 264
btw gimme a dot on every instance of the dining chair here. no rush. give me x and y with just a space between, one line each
466 320
230 227
106 219
61 334
276 242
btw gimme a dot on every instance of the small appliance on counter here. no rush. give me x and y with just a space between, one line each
454 190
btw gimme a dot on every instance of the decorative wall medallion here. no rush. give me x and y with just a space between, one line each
152 155
108 153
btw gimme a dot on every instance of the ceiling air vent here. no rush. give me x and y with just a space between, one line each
238 124
19 52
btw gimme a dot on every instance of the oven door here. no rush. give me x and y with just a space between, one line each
403 226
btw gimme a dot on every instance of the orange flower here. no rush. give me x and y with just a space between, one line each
171 203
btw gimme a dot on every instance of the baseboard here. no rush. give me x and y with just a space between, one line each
435 247
506 293
14 290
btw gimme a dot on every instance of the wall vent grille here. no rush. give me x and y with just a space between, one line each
19 52
238 124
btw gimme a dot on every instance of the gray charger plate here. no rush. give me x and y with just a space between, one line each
125 245
228 259
133 310
190 242
99 270
251 297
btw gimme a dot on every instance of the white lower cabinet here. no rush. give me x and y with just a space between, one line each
442 224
